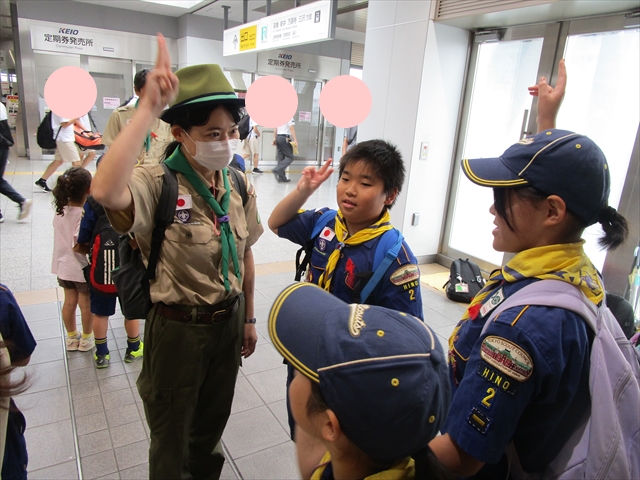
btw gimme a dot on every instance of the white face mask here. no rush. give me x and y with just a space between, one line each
214 155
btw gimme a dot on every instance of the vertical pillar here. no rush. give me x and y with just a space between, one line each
226 15
414 69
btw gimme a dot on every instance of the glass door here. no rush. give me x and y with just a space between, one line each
498 109
602 102
308 120
603 94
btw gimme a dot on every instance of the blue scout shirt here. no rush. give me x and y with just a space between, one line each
526 380
15 331
399 288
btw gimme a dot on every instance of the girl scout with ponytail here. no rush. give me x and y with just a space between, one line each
521 383
202 319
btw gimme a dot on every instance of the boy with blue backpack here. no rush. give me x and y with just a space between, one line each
356 254
351 244
100 241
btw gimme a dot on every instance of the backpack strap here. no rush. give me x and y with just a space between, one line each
93 123
321 222
51 122
390 244
239 184
102 221
163 217
97 208
550 293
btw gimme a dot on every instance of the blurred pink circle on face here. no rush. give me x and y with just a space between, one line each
345 101
271 101
70 92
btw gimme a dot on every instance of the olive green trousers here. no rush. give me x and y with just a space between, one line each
187 383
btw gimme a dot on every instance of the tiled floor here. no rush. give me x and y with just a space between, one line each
85 423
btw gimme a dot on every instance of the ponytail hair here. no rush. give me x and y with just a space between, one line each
169 149
72 186
615 228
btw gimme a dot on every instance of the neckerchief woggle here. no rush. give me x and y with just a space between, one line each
147 139
565 262
364 235
179 163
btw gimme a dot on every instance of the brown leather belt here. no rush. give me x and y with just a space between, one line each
207 314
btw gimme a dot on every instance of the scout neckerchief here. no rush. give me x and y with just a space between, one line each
402 469
179 163
147 139
364 235
566 262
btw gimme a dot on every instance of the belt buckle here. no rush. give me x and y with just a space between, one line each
218 312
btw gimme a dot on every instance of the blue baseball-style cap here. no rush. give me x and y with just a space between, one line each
556 162
382 372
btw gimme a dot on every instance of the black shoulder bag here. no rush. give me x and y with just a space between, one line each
132 277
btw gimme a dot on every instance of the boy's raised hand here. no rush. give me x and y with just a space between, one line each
549 98
162 84
312 178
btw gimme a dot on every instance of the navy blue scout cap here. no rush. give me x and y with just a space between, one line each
556 162
382 372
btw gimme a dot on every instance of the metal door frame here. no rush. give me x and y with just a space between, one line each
555 36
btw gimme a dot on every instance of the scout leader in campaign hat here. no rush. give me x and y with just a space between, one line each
201 85
556 162
382 373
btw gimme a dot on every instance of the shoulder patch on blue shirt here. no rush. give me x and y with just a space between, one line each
507 357
405 274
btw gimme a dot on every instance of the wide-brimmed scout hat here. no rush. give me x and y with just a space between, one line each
383 373
201 85
556 162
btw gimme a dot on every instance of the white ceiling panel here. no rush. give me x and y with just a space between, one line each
125 4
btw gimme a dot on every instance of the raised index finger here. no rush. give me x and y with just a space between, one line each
325 166
562 76
163 60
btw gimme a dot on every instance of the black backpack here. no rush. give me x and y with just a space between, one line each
45 137
132 277
103 253
244 127
465 281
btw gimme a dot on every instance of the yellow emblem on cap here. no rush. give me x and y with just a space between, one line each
356 322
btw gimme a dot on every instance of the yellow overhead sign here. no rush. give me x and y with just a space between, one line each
248 38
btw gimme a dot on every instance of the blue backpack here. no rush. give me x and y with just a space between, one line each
386 252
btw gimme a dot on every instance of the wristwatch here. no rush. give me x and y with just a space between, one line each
249 320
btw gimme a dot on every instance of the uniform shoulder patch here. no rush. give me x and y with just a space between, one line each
507 357
405 274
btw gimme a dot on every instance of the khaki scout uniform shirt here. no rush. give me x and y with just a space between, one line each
160 135
189 267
